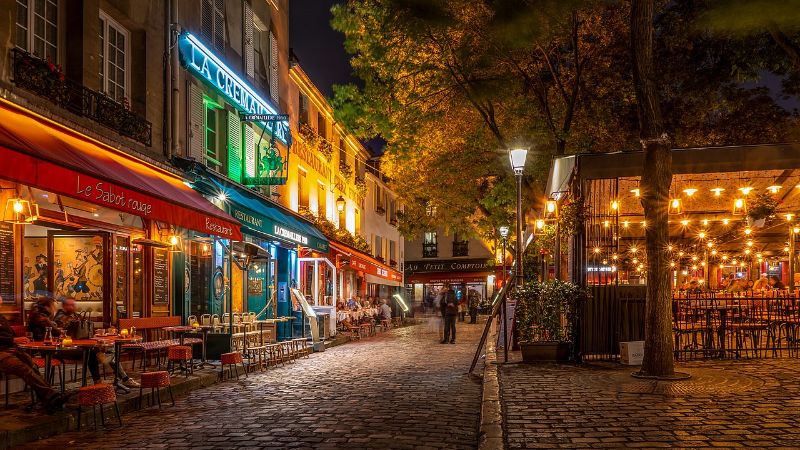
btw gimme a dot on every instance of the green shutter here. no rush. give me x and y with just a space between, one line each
234 146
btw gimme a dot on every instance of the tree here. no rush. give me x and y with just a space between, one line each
655 184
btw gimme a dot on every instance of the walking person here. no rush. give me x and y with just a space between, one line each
449 307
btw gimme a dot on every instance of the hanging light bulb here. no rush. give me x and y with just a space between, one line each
614 256
705 222
713 252
644 224
786 249
605 261
634 249
17 206
717 191
747 251
689 191
796 230
635 260
680 253
694 257
597 250
694 267
614 205
672 263
726 221
701 235
724 257
745 190
733 261
758 255
748 231
670 247
606 223
613 268
709 244
636 192
789 217
749 243
685 222
625 224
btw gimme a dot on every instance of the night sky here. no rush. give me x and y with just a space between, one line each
319 48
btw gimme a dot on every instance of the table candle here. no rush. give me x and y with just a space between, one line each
123 332
66 341
196 325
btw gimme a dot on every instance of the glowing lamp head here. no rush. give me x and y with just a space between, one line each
173 240
717 191
796 230
774 188
517 158
689 191
539 224
550 207
596 250
340 204
789 217
745 190
637 192
504 230
701 235
17 206
614 205
748 231
726 221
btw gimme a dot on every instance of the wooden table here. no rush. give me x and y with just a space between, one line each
47 350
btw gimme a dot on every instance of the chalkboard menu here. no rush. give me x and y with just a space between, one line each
160 276
6 262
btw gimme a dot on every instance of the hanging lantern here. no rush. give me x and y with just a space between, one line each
675 206
550 209
19 211
739 207
539 228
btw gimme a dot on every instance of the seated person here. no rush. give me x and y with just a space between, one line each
776 283
762 283
351 303
19 364
69 321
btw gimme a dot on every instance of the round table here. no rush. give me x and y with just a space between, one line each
118 341
47 350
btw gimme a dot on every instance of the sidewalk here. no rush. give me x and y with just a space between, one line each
728 404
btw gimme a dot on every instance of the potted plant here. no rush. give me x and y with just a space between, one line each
544 313
763 206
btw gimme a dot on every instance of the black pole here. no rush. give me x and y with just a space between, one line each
520 244
503 306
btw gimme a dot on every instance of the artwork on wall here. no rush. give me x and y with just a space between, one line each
34 267
78 267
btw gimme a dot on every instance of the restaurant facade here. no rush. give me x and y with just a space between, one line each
733 228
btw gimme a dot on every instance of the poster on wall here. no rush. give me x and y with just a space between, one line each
78 267
160 276
34 267
6 263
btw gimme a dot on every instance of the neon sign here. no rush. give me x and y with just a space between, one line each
203 63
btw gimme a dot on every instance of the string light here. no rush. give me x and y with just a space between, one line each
634 249
749 243
670 247
701 235
748 231
635 260
724 257
694 258
685 222
680 253
705 222
614 205
725 221
625 224
694 267
717 191
672 264
747 251
606 223
614 256
709 244
713 252
597 250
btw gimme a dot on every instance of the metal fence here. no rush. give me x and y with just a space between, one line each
614 314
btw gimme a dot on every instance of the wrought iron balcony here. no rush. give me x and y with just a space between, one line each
430 250
460 248
45 79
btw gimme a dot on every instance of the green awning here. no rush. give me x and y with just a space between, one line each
267 219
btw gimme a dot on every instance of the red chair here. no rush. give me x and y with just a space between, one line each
155 381
97 395
180 354
231 360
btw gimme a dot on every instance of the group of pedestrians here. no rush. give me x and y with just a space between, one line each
451 308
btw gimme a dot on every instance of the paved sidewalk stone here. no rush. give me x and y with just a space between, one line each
726 404
400 389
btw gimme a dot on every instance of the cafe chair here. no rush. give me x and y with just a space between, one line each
155 381
205 319
97 395
231 361
54 363
190 320
181 354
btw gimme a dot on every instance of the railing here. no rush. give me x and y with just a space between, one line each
430 250
46 80
460 248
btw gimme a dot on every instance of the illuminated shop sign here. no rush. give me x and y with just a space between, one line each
278 230
203 63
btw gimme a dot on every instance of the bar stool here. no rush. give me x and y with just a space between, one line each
97 395
155 381
181 354
231 360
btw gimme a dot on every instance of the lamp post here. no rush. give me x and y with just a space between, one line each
504 234
340 204
517 157
792 236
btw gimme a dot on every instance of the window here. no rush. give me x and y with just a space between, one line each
392 253
211 124
302 189
460 246
37 28
342 152
378 249
379 206
114 57
391 215
429 245
273 68
261 53
322 128
322 201
213 24
303 109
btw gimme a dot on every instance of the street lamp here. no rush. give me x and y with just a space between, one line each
340 204
517 157
504 234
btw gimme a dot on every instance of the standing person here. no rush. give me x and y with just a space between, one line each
386 310
449 306
472 299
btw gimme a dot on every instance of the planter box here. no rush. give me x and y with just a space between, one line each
545 351
631 353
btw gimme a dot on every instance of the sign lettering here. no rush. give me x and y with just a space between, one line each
198 59
289 234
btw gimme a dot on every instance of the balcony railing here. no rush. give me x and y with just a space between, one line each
46 80
460 248
430 250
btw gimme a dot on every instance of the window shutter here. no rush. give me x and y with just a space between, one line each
207 22
249 65
196 124
234 146
273 68
249 151
219 25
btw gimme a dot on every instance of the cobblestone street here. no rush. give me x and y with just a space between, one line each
725 404
400 389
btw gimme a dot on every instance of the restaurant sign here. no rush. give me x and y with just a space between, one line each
463 265
203 63
265 225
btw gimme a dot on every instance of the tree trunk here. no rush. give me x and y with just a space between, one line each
655 184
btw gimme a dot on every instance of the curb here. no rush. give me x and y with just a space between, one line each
491 429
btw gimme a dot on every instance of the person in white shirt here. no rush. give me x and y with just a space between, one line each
386 310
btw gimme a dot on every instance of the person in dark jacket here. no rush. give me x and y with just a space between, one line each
19 364
449 307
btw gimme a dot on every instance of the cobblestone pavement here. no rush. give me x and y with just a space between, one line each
725 404
399 389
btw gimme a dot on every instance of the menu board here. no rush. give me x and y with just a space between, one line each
160 276
6 262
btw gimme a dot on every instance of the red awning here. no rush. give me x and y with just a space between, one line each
365 263
43 154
